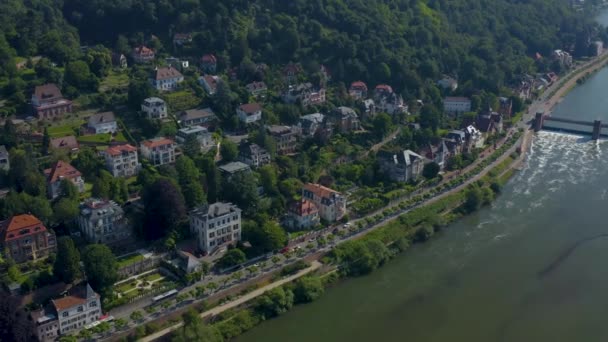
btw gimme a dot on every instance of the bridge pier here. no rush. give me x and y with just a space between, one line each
597 129
538 121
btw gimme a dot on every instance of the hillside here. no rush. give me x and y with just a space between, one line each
400 42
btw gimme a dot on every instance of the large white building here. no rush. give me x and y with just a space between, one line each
158 151
456 105
122 160
103 222
216 225
154 108
68 314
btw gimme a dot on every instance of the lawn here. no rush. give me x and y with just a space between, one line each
129 259
126 287
115 80
104 138
65 129
152 277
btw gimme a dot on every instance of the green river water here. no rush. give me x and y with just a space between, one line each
532 267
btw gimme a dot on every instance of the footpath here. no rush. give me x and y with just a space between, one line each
315 265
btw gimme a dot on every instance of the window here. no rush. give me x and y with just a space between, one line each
65 314
80 309
93 304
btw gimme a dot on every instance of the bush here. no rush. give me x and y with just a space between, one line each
294 268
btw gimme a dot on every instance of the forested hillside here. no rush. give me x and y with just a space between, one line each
400 42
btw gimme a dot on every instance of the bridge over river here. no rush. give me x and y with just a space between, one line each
553 123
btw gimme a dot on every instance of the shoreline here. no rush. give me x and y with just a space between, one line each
562 88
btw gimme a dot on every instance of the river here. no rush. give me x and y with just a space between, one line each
528 268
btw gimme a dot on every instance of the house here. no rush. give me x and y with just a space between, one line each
202 134
448 83
233 168
104 222
597 48
257 89
291 72
166 78
505 107
48 102
458 136
330 203
358 90
253 155
25 238
142 54
4 159
305 94
216 225
551 78
302 214
154 108
60 171
369 109
192 117
346 119
159 151
209 64
209 83
122 160
490 122
119 60
182 38
562 57
69 144
474 137
79 308
403 166
101 123
249 112
285 137
438 154
456 105
387 101
177 63
311 123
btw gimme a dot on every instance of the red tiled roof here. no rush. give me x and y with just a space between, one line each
384 87
119 149
304 208
320 190
78 296
209 58
250 108
143 50
166 73
157 142
358 85
61 170
13 227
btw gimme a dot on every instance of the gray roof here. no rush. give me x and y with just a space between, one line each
234 167
98 208
193 130
346 112
151 100
3 151
100 118
316 117
406 157
192 114
215 209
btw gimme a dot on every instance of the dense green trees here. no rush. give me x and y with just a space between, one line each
165 208
67 262
100 267
189 181
194 329
274 302
233 257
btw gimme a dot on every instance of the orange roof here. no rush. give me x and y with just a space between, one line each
157 142
119 149
61 170
17 223
320 190
358 85
304 208
68 302
143 50
250 108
